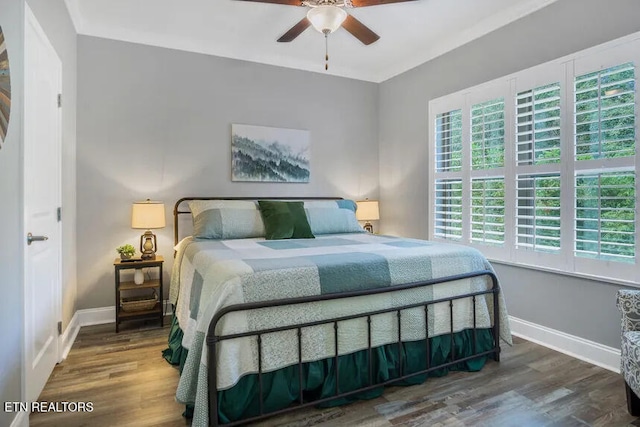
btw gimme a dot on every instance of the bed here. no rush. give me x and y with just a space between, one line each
270 326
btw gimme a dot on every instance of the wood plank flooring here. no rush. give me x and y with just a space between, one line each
130 384
123 374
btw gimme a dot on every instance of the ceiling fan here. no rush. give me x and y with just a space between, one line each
327 16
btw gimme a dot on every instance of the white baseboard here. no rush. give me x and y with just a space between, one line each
580 348
93 316
96 316
21 420
102 315
69 335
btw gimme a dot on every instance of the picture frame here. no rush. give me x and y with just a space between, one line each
269 154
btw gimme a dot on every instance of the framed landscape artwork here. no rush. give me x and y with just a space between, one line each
266 154
5 89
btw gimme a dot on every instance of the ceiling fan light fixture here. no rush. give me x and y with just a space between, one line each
326 19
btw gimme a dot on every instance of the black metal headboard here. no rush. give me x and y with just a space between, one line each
177 211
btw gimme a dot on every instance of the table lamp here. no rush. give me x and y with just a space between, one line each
368 210
148 215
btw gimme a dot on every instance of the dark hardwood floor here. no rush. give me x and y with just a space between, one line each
130 384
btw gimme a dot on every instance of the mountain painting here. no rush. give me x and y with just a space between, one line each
266 154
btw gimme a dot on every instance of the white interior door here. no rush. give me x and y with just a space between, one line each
42 195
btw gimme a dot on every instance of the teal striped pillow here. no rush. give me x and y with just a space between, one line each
332 216
226 219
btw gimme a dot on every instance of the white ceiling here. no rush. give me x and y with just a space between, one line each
410 33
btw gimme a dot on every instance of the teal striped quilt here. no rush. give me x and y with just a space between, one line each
211 274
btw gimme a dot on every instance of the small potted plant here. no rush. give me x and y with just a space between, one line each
126 251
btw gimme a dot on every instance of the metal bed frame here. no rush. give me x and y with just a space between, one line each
213 339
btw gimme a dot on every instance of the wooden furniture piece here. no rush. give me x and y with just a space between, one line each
124 288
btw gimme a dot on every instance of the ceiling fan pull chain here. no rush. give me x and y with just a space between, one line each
326 50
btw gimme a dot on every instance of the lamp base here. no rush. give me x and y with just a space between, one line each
148 245
138 277
368 227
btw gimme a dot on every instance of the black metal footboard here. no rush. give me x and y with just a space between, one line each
213 339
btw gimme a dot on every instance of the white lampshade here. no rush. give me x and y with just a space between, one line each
326 19
368 210
147 215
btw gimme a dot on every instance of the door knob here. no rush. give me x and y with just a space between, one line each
31 238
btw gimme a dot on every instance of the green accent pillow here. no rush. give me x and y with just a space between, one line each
284 220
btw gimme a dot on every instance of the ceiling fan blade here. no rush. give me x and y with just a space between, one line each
364 3
295 31
287 2
359 30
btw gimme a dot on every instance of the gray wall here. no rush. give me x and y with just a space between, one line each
11 260
581 307
56 23
156 123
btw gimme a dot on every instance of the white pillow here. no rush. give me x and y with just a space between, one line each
226 219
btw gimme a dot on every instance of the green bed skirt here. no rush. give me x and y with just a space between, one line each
175 353
281 387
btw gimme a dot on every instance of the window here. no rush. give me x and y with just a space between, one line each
487 135
487 155
538 212
605 216
487 210
448 195
449 141
605 139
539 167
538 142
605 113
448 210
538 125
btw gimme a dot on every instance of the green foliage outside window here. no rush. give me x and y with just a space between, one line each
605 113
605 216
487 135
487 210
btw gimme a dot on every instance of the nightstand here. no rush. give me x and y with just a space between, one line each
139 306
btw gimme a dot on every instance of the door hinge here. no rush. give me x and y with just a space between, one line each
59 328
59 213
59 100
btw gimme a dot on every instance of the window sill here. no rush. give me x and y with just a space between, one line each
594 278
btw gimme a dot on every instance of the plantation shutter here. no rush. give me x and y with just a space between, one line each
537 133
605 113
605 219
449 141
487 135
487 210
487 154
605 216
448 161
541 167
538 125
538 212
448 209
